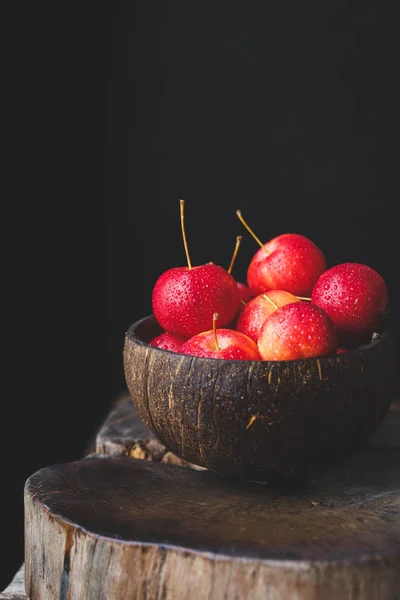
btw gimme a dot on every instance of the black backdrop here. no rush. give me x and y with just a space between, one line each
286 110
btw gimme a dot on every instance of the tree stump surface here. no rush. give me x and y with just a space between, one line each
124 434
110 527
16 589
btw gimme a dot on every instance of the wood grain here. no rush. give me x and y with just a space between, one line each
114 527
16 589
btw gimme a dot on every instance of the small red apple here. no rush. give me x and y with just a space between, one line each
244 292
355 296
185 298
252 317
227 344
290 262
168 341
297 330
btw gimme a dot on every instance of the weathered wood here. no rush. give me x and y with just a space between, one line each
260 420
124 434
16 589
114 527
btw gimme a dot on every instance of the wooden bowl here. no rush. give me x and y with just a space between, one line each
258 420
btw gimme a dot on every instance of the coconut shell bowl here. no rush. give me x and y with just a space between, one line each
260 420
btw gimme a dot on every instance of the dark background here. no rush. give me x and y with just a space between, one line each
288 111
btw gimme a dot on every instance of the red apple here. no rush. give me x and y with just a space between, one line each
355 296
252 317
244 292
221 343
168 341
184 299
290 262
297 330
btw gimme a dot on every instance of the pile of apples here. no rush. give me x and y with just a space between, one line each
292 306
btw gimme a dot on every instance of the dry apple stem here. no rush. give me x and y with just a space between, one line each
272 302
235 252
215 318
259 242
182 205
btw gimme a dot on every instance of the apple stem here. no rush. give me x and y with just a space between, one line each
235 252
182 205
215 319
259 242
243 302
272 302
303 298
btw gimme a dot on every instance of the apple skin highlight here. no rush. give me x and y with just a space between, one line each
355 296
168 341
233 345
297 330
252 317
288 262
184 300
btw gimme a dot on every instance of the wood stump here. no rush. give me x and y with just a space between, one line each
124 434
111 527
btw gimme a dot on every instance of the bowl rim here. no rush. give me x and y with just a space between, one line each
377 338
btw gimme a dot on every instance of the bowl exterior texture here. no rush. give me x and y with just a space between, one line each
256 419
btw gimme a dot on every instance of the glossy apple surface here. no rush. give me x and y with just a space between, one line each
167 341
184 300
355 296
233 345
297 330
244 291
252 316
293 263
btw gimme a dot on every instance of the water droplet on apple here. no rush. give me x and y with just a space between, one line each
327 286
281 320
